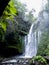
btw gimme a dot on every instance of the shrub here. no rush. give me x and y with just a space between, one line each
39 59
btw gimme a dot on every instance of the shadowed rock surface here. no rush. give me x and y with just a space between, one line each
13 43
17 61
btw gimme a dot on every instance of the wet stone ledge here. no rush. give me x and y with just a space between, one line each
18 61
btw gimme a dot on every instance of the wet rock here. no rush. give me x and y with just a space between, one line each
17 61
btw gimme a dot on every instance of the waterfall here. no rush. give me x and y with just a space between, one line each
30 43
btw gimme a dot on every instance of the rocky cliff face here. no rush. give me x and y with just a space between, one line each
14 37
23 26
19 25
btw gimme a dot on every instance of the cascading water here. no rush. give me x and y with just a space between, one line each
30 43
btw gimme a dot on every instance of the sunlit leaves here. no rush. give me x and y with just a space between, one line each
3 25
12 8
10 11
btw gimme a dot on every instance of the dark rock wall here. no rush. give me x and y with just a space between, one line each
13 43
3 4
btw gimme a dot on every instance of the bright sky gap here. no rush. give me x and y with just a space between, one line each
34 4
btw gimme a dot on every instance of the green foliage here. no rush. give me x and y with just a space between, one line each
10 11
21 8
38 59
3 24
43 47
8 38
14 40
1 34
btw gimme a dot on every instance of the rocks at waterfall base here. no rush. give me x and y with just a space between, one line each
20 61
17 61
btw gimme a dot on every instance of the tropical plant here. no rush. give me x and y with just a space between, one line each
43 47
10 11
38 59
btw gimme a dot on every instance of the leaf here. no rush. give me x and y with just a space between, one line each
10 11
3 25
